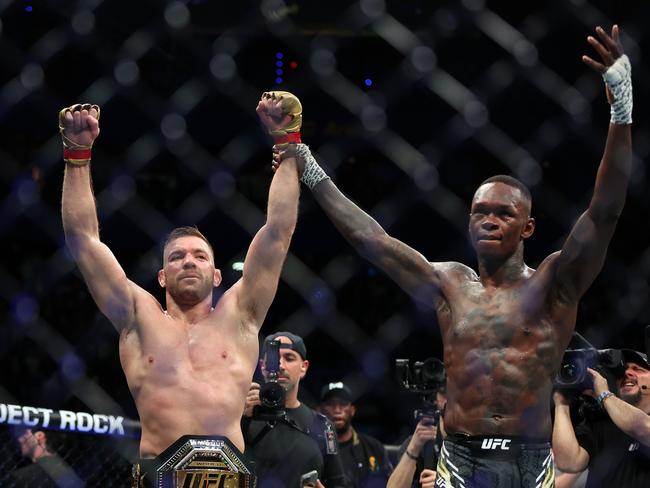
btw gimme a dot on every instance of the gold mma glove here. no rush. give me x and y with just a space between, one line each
73 153
291 106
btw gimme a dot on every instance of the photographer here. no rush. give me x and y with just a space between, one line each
413 468
616 449
364 458
284 438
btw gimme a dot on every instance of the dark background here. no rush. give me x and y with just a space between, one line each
459 91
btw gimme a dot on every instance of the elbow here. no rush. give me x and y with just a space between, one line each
281 231
605 213
76 242
368 242
569 462
567 467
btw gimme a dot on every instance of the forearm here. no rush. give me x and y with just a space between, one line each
613 174
402 475
568 454
78 209
355 225
631 420
282 209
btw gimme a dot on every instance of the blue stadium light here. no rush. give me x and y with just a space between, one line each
279 71
367 82
28 8
278 80
279 64
279 55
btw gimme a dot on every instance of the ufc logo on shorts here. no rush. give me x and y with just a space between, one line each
496 444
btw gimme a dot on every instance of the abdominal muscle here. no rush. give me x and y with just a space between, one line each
498 396
186 407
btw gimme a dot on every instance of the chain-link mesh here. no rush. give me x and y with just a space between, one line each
408 104
83 460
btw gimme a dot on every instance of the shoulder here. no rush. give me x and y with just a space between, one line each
319 419
455 270
550 261
369 440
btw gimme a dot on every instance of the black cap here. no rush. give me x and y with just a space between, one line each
336 389
297 343
632 356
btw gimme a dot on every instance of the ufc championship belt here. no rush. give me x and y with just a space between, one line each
195 461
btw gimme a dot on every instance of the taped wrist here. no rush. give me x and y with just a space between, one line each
73 153
618 79
313 174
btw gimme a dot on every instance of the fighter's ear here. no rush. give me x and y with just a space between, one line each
217 277
162 280
528 229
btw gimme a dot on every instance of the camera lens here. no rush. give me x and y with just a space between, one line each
569 372
272 395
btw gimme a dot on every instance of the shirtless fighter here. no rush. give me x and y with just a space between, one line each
188 365
504 329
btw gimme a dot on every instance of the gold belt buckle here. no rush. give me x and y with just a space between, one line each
206 478
200 461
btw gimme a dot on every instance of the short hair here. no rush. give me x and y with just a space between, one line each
510 181
186 231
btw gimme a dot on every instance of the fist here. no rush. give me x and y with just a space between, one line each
424 432
252 399
79 125
428 478
560 399
280 112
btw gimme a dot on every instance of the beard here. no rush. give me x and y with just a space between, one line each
344 428
184 294
633 400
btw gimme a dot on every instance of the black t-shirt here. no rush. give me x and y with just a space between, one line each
365 461
283 453
615 459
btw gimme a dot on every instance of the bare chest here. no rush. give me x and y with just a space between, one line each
501 318
200 351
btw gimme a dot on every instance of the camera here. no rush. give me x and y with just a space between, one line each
425 377
573 374
272 393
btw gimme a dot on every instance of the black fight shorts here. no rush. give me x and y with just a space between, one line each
494 462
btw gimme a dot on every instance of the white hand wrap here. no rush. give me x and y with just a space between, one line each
618 78
313 174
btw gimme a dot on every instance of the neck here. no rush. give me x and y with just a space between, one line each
345 436
498 272
190 313
291 400
644 404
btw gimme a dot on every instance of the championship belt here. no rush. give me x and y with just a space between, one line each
196 461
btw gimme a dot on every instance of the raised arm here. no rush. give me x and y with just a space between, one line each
105 278
568 455
268 250
584 251
407 267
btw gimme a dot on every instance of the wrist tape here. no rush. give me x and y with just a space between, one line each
618 79
73 153
313 174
